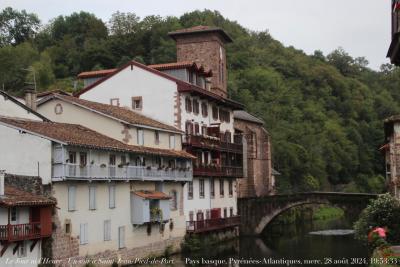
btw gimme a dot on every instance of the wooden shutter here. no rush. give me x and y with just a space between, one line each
107 230
92 197
83 233
111 195
121 237
71 198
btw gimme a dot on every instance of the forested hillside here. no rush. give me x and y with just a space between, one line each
324 113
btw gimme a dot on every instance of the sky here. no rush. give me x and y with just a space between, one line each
361 27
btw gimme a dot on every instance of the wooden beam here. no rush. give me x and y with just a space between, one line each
16 247
33 244
5 246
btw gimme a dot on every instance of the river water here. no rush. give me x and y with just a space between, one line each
315 243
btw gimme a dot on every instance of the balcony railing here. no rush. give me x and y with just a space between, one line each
18 232
212 224
96 172
213 143
218 171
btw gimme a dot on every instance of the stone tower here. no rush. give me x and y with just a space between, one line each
205 45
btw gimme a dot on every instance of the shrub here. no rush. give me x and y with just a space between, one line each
381 212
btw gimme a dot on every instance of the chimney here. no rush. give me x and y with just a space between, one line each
2 172
30 98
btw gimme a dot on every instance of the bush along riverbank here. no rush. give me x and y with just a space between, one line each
327 213
382 212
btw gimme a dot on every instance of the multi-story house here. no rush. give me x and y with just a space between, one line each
190 94
394 49
391 151
259 177
25 220
114 199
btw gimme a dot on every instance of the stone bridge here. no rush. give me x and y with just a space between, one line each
257 213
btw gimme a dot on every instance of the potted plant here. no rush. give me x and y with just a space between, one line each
156 214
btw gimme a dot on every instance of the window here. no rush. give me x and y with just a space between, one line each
156 137
71 198
107 230
137 103
92 197
72 157
172 141
201 188
231 212
196 107
190 190
204 129
174 200
140 137
208 214
83 233
112 160
82 159
196 129
221 187
158 162
215 112
189 127
212 188
204 109
114 102
225 212
123 160
22 250
191 216
224 115
230 188
111 196
188 104
14 214
121 237
68 227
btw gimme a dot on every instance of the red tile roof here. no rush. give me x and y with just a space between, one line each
201 29
120 113
15 197
151 194
182 65
56 91
95 73
77 135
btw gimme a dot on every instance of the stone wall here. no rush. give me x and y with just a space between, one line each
31 184
204 49
259 180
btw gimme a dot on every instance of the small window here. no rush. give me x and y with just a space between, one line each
174 200
201 188
230 188
22 250
190 190
121 237
215 112
172 141
140 137
191 216
72 157
204 129
196 129
196 107
212 188
208 214
14 214
156 137
112 161
137 103
114 102
231 212
82 159
189 127
204 109
83 234
71 198
225 212
107 230
188 104
221 187
92 197
68 228
111 196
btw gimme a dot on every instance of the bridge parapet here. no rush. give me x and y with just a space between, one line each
257 213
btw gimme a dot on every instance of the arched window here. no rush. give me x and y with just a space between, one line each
188 104
174 200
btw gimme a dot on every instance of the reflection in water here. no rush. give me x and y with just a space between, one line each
283 245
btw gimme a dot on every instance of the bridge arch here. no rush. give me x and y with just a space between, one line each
257 213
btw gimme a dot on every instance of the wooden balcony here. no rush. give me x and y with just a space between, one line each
19 232
218 171
95 172
213 143
212 224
